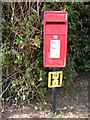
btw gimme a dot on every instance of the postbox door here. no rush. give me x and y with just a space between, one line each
55 43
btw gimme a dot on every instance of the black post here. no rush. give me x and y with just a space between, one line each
53 98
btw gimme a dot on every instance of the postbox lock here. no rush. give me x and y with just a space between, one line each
55 37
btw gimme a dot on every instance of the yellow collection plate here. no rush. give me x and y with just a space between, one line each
55 79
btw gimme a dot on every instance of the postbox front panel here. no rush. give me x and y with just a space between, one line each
55 39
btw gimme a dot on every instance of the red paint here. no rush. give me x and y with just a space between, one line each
55 28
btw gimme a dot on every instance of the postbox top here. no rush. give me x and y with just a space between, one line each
56 12
55 16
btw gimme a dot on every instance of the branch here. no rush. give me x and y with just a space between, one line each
8 85
38 8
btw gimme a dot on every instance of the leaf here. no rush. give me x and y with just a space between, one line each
21 82
15 82
2 99
40 107
61 112
45 103
55 114
23 97
36 108
32 83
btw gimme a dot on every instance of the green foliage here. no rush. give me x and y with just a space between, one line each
55 115
22 48
69 71
61 112
78 33
38 106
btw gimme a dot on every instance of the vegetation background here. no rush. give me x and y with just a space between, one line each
23 76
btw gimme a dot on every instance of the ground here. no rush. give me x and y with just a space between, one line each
70 103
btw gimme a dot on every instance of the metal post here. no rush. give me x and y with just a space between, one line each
53 97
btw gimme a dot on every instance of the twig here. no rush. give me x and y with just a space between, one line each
38 8
8 85
21 10
29 8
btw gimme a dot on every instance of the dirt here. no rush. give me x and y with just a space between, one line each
70 103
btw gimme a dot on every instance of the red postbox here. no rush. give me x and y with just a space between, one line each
55 39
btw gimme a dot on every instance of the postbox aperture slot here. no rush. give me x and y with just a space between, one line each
55 22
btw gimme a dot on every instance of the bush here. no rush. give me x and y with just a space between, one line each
22 46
